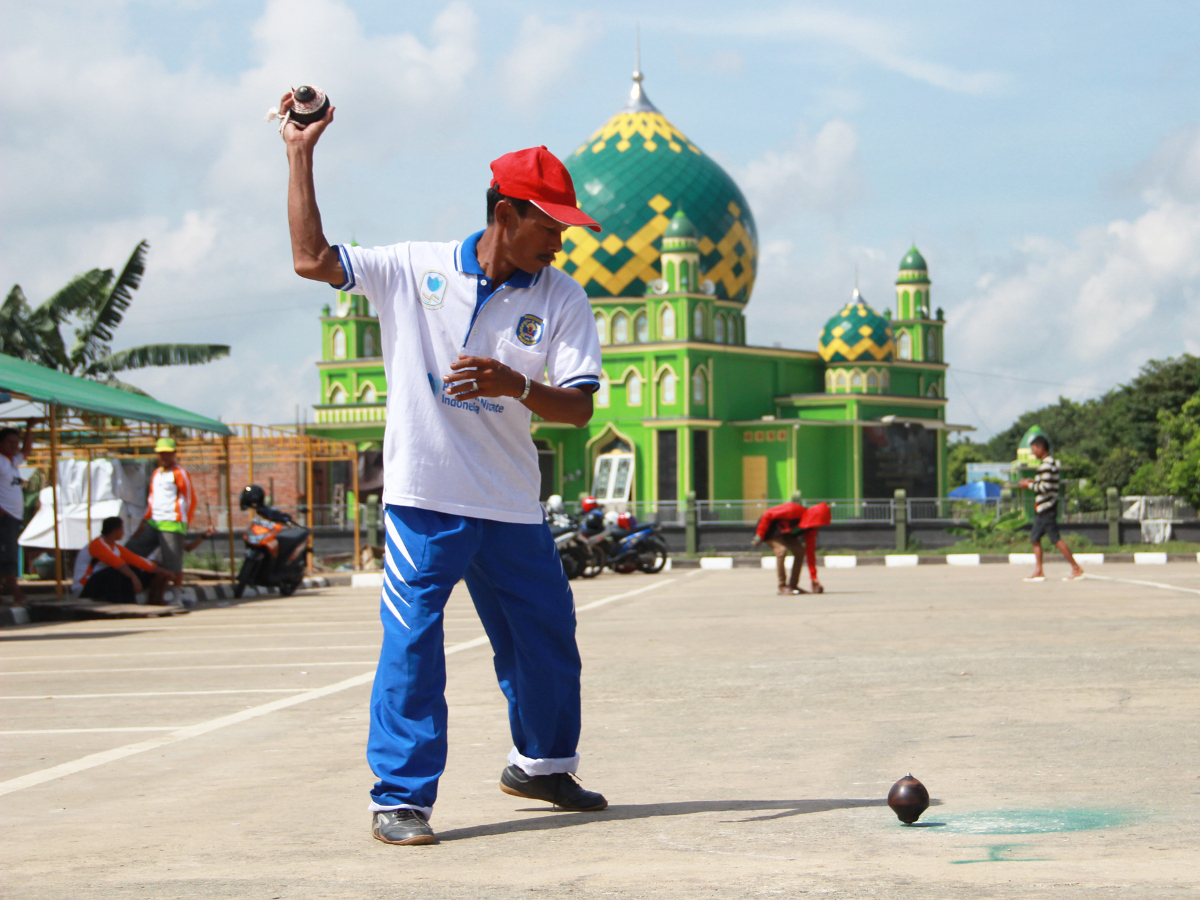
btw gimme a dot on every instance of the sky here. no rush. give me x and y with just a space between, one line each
1045 158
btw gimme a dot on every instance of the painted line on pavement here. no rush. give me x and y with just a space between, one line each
1156 584
208 651
98 759
276 665
91 730
152 694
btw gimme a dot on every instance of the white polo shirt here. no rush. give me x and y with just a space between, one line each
434 301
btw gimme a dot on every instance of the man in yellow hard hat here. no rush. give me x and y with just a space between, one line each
169 511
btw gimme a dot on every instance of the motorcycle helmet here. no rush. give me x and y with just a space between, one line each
627 521
252 496
554 505
588 504
610 517
594 521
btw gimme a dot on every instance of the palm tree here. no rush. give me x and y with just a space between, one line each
97 300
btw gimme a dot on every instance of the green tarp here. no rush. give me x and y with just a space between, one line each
48 386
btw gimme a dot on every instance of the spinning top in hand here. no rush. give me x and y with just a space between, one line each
308 105
908 799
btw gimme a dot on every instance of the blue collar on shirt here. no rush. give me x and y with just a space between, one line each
468 263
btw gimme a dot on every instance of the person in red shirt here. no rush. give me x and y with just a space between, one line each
782 527
111 576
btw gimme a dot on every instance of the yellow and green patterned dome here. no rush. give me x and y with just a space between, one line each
632 176
857 333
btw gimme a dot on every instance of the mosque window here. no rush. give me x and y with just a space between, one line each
339 344
668 389
930 346
885 380
633 390
667 323
933 390
856 381
699 387
367 394
338 394
904 345
698 323
841 380
602 392
684 276
719 329
620 328
602 328
829 382
370 343
872 381
641 328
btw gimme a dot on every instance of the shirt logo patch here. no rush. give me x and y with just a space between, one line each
433 289
529 329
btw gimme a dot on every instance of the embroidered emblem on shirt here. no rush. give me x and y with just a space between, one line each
433 289
529 329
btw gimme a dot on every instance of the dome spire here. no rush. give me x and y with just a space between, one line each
638 101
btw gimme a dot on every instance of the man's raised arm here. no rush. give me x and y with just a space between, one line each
312 256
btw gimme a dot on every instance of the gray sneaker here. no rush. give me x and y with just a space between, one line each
402 826
562 790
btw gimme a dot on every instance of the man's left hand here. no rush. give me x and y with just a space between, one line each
478 376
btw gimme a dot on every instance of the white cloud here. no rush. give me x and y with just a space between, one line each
1092 311
884 43
546 55
821 173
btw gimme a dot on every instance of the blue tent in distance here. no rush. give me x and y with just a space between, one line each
978 491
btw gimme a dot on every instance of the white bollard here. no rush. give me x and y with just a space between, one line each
962 559
716 562
901 559
841 562
1150 559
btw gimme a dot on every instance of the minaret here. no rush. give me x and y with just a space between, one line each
918 335
680 260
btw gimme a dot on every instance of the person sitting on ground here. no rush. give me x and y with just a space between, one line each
109 575
782 527
1045 504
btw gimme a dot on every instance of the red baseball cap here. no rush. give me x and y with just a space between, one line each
538 176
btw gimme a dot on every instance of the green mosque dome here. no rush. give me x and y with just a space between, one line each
633 176
913 268
1034 431
680 227
857 333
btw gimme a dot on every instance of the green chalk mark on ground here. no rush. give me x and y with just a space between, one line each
1034 821
996 853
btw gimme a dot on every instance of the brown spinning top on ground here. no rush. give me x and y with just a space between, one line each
908 799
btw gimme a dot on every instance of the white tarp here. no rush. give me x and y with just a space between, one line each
118 489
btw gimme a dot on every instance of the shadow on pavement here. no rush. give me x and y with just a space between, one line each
67 636
561 819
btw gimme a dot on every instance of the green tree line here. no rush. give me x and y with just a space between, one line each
1141 438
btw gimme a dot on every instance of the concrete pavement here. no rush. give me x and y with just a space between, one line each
745 741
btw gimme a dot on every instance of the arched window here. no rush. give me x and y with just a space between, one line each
370 343
602 328
719 329
904 345
641 328
667 322
685 283
930 346
885 380
841 380
602 392
633 389
698 323
829 382
933 390
699 387
367 394
338 394
620 328
669 276
339 344
668 389
872 380
856 381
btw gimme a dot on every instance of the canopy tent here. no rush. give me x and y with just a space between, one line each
978 491
42 385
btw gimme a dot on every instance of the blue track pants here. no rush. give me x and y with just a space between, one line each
525 603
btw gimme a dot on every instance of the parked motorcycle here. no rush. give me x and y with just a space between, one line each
276 547
573 549
624 545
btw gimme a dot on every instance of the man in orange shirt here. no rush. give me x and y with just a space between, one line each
169 511
110 574
782 528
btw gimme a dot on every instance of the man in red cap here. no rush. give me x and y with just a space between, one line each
784 528
477 336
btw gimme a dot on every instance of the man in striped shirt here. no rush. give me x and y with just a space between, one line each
1045 504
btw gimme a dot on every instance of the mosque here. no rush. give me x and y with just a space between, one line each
685 404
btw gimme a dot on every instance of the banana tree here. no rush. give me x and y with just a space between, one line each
97 301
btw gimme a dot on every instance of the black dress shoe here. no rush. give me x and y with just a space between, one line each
561 789
402 826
